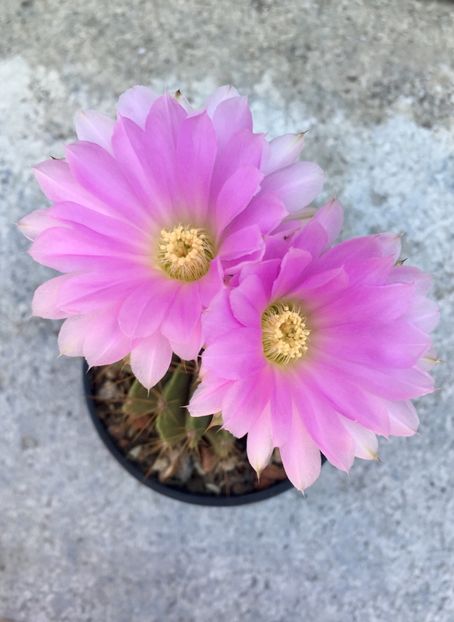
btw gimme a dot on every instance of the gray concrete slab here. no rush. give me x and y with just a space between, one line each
81 541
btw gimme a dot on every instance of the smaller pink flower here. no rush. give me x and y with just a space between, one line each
319 348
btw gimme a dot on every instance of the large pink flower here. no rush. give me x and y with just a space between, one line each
319 348
148 212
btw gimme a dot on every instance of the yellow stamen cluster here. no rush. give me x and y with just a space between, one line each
185 253
284 333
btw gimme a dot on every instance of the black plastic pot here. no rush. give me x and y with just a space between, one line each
153 483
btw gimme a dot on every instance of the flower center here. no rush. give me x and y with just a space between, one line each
185 253
284 333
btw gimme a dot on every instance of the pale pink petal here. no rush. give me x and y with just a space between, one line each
150 360
104 342
230 117
164 121
424 313
243 149
283 151
408 274
94 127
104 224
195 156
331 217
396 344
218 319
379 303
237 353
359 256
264 210
403 418
260 443
266 270
207 398
220 95
242 243
313 238
392 384
319 289
323 423
99 173
183 315
72 336
350 399
36 222
95 336
296 185
244 402
144 309
293 266
188 347
135 104
45 299
88 291
235 195
147 165
77 248
58 184
248 301
365 441
281 406
300 456
211 284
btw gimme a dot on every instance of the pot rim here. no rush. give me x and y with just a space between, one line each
170 491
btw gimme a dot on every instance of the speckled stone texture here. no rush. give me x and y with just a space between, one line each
80 540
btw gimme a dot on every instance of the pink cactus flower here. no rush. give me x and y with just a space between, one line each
319 348
148 212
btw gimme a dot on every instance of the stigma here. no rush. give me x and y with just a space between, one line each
185 253
285 335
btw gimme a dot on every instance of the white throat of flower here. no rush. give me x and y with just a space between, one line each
285 334
185 253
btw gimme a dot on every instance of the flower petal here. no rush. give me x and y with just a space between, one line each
150 360
99 173
45 299
94 127
296 185
221 94
242 244
135 104
260 443
195 156
58 184
293 267
235 195
144 309
331 217
218 319
283 151
237 353
248 301
323 423
403 418
365 442
230 117
183 316
300 456
207 398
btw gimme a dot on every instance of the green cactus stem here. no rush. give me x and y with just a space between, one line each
172 414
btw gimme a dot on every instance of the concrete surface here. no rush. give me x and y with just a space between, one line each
80 540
